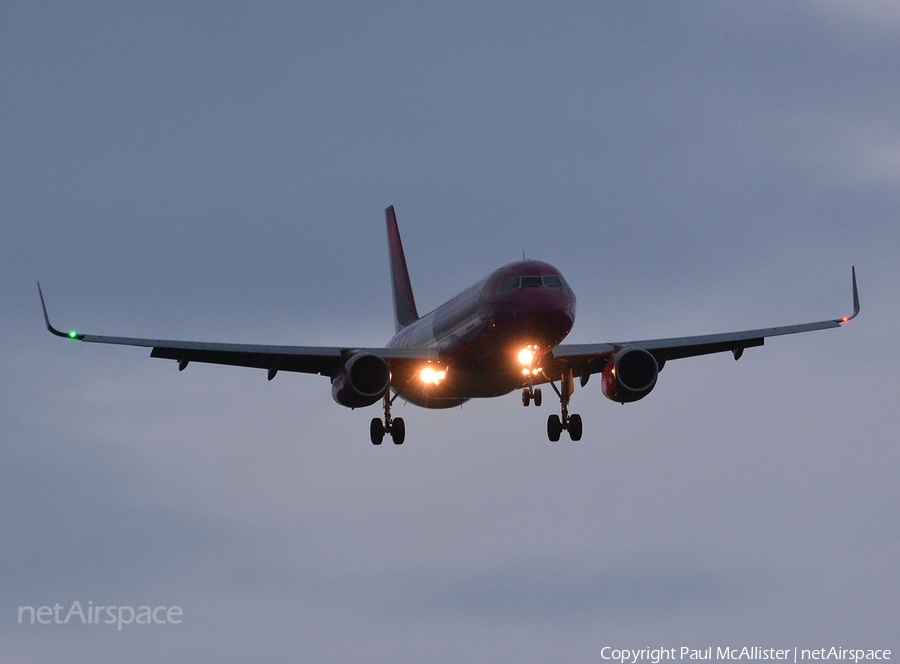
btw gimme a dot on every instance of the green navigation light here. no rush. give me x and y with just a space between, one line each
73 334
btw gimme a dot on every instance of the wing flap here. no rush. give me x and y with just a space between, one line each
323 360
591 358
302 360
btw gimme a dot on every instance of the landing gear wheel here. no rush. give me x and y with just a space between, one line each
554 428
574 427
556 424
376 431
530 394
398 430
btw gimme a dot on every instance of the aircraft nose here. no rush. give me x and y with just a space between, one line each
547 314
535 300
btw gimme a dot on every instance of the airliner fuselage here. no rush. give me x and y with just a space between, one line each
480 334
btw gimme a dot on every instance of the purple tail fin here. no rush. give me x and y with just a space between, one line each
404 302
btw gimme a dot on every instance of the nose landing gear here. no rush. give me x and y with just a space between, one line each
396 427
530 394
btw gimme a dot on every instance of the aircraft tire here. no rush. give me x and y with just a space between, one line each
376 431
575 427
537 396
554 428
526 397
398 431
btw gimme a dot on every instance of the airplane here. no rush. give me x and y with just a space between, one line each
502 334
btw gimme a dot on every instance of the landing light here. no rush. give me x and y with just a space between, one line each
432 376
526 356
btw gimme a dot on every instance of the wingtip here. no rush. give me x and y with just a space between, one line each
855 313
53 330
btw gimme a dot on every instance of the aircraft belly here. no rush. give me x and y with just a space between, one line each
459 387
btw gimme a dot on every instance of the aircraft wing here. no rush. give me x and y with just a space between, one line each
586 359
323 360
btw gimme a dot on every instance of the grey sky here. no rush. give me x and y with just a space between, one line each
219 171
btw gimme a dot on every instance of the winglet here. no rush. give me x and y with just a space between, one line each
855 299
404 303
68 335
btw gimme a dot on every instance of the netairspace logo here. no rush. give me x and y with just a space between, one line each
94 615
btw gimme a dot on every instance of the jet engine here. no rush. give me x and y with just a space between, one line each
362 381
629 375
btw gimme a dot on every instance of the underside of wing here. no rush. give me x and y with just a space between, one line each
323 360
587 359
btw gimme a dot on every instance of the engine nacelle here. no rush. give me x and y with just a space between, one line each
629 375
362 381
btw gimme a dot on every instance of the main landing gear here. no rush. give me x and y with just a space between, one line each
556 424
394 426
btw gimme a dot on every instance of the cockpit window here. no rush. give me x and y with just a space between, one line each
511 284
551 281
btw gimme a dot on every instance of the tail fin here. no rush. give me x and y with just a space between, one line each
404 303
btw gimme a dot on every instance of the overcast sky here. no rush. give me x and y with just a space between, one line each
218 171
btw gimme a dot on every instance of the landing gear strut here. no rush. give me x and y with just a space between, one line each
557 423
394 426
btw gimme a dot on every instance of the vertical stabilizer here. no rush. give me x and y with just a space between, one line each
404 302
